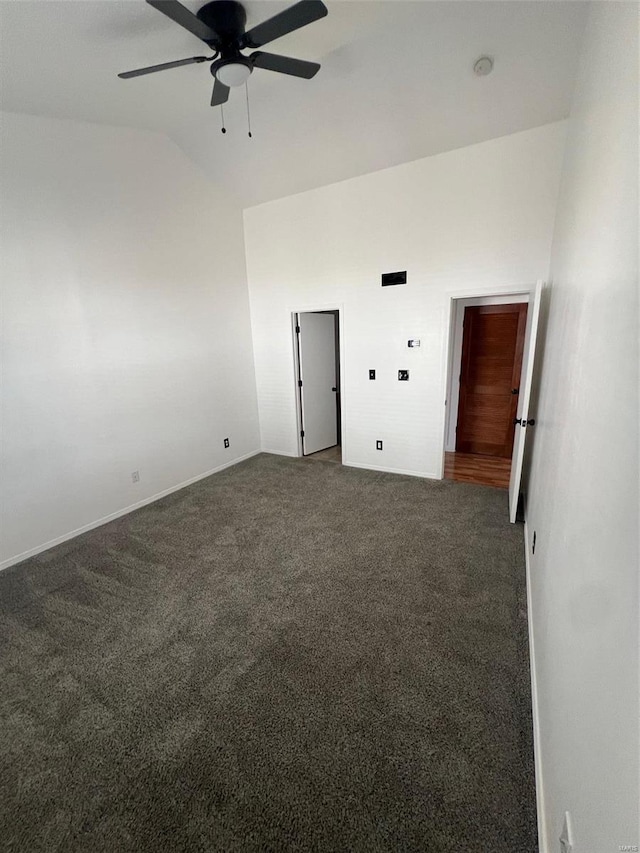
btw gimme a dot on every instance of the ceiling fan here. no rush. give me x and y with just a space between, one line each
220 24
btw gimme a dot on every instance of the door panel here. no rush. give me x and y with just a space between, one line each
492 345
317 343
524 399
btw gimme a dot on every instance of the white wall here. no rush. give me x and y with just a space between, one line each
455 356
126 335
476 217
583 492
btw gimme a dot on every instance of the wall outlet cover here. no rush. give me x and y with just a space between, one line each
378 445
372 374
135 476
403 376
226 442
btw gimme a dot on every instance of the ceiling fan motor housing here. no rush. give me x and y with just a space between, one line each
227 18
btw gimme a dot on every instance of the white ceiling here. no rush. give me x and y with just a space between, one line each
396 82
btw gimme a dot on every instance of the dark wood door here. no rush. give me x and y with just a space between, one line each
492 344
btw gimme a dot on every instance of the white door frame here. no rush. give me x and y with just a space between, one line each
312 309
468 293
453 387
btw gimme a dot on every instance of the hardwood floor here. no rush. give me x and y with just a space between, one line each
464 467
473 468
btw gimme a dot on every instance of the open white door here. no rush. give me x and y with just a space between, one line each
317 350
524 398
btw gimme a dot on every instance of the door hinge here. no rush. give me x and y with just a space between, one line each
302 433
297 330
299 383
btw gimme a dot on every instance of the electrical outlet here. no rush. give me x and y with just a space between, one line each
372 374
226 442
566 836
378 445
135 476
533 543
403 375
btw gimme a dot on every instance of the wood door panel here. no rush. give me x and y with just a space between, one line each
493 341
490 424
487 416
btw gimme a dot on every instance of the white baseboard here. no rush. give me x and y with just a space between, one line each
542 828
11 561
364 467
392 470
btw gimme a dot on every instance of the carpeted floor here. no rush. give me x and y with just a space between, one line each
287 656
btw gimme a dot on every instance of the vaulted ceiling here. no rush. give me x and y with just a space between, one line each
396 82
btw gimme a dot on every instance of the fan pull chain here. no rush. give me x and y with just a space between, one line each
224 129
246 89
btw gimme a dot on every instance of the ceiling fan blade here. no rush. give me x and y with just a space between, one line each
296 16
181 15
220 94
285 64
153 68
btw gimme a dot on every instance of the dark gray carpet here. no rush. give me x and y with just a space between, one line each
289 655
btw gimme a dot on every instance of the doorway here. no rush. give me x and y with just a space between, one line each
484 386
317 356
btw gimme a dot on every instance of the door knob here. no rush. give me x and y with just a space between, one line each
334 388
515 390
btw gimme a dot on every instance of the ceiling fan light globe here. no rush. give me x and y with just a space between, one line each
233 73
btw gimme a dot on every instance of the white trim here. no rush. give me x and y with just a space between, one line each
451 296
455 356
447 361
296 387
334 306
537 758
279 453
531 344
11 561
391 470
490 290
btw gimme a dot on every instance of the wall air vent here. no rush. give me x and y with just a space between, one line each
390 278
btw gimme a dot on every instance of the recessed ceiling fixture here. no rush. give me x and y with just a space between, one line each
220 25
483 66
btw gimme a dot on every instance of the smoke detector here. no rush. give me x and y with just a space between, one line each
483 66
